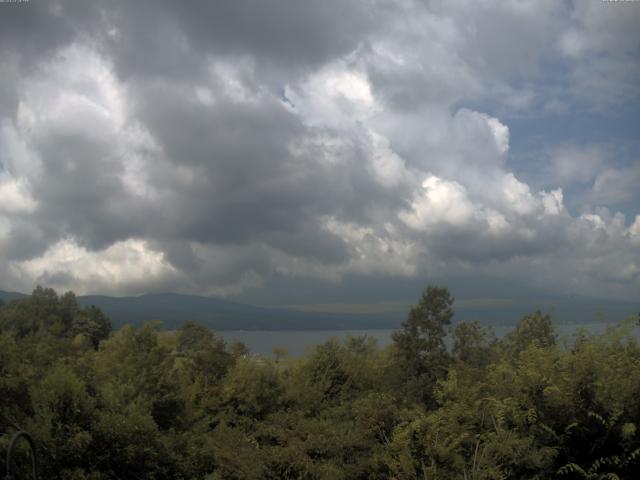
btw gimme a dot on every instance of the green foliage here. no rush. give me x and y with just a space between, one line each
473 344
532 329
422 357
252 389
145 403
44 313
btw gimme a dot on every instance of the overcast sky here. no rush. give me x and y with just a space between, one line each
258 148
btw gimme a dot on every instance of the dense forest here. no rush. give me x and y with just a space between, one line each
143 403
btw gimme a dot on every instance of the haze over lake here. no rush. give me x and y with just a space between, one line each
299 343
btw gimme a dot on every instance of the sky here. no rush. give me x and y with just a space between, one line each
287 151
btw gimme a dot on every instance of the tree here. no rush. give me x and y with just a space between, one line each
46 313
535 328
206 352
92 323
252 389
420 344
193 336
472 343
63 420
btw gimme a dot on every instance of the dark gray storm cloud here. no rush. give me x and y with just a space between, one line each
212 146
280 37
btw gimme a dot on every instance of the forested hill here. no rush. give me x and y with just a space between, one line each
173 309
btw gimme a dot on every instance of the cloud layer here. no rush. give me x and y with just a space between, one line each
208 146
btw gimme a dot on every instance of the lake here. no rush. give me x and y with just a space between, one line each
299 343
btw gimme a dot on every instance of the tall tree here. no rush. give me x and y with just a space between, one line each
420 347
536 328
472 343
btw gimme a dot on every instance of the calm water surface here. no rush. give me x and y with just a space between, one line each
299 343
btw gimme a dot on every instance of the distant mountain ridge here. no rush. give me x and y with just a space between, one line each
173 309
8 296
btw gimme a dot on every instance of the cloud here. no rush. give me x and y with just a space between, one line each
440 202
573 163
634 231
615 185
208 147
279 37
119 268
15 196
608 32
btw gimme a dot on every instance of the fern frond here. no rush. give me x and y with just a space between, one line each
572 468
